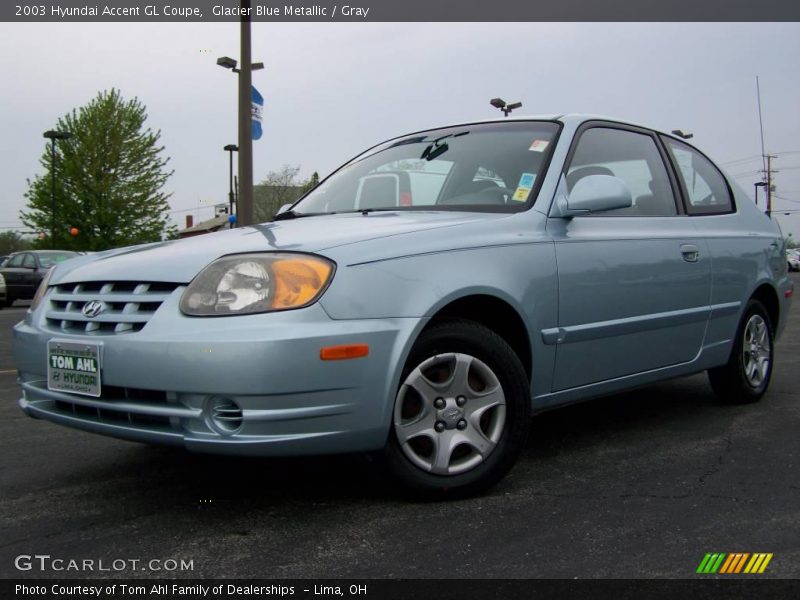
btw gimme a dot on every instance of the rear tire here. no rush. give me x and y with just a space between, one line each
746 376
462 412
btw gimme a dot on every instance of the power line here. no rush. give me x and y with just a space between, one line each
755 157
740 160
748 174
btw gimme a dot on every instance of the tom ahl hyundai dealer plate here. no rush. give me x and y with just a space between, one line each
73 367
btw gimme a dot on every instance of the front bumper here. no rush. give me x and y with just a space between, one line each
161 384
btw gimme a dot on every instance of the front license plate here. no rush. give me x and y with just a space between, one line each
73 367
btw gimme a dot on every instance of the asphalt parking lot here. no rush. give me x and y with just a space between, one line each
642 484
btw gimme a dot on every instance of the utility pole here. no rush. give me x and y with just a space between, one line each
770 187
244 207
766 180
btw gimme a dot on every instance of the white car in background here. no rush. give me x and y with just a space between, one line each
2 290
793 260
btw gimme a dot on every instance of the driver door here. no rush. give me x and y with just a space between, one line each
634 283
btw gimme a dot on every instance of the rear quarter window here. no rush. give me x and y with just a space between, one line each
705 189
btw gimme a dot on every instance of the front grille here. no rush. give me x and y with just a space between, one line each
126 306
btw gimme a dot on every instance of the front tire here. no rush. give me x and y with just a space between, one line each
746 376
461 413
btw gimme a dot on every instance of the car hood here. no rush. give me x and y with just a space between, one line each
180 260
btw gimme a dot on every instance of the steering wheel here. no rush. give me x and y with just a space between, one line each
496 189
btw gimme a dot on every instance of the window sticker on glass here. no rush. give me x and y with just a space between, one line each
524 187
539 145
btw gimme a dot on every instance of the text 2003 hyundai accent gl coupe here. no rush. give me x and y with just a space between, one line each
422 301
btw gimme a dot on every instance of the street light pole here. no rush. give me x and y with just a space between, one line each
756 186
503 106
231 148
53 135
53 193
681 134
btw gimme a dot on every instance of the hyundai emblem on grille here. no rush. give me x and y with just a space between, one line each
93 308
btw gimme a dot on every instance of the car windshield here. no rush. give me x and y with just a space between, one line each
489 167
48 259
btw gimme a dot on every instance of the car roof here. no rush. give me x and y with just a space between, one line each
566 118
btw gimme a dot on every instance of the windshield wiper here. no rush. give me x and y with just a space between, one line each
366 211
290 214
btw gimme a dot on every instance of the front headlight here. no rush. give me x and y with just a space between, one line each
41 290
254 283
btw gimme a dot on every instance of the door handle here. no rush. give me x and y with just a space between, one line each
690 252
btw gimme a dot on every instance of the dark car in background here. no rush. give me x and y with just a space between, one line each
24 270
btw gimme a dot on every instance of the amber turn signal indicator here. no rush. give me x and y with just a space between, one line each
344 352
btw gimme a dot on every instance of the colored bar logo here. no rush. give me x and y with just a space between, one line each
734 563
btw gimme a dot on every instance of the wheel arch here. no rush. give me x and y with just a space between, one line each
768 296
493 313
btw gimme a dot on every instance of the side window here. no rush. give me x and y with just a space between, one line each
29 262
706 190
16 261
634 158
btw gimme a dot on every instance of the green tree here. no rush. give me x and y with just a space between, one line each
279 187
110 176
312 182
11 241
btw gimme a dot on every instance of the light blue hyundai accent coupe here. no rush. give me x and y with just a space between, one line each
422 302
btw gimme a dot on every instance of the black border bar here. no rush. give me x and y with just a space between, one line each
402 11
707 587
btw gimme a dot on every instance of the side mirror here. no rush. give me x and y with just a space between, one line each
284 208
597 193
